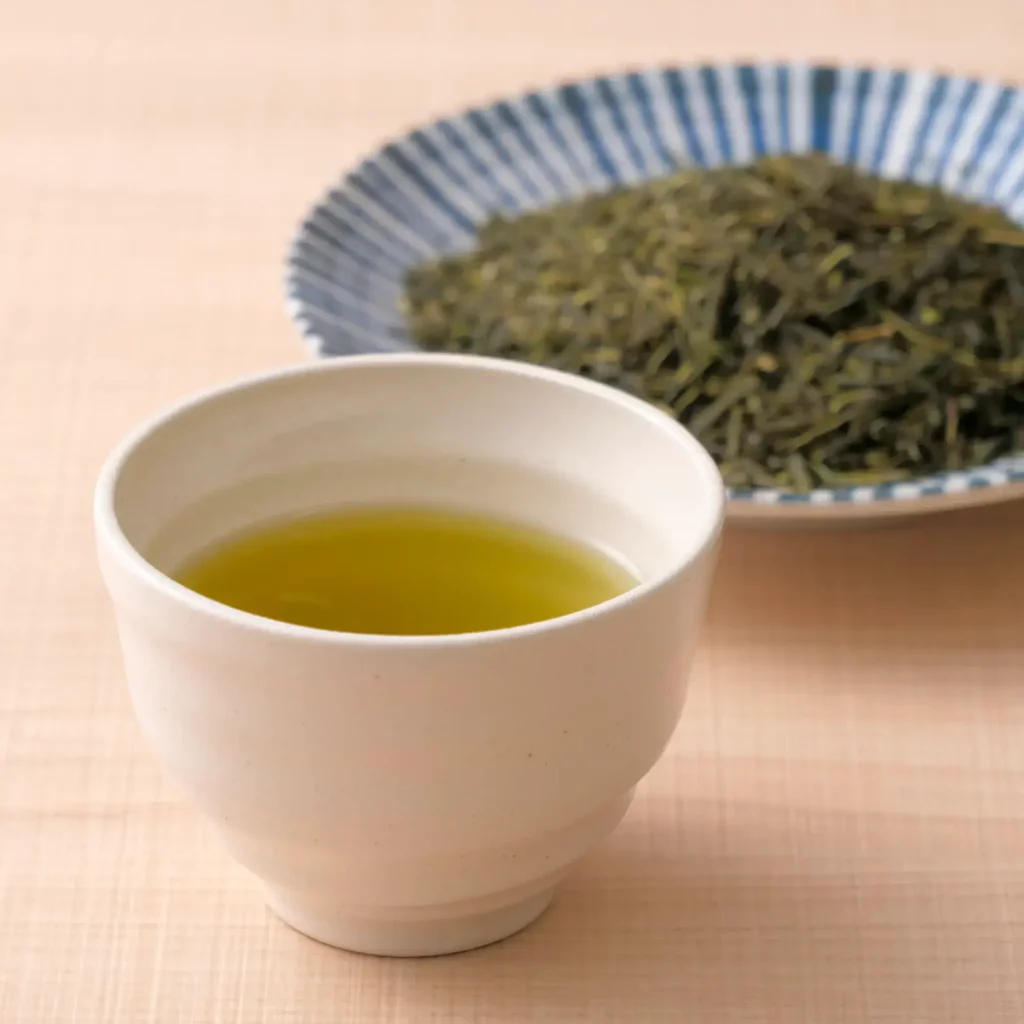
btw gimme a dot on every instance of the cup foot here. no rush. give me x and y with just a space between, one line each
425 932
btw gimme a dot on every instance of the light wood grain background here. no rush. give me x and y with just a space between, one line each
837 833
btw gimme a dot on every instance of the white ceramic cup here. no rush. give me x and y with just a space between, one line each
410 795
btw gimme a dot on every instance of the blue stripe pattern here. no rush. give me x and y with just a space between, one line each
422 195
895 97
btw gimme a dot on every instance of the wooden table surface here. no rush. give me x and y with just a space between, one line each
837 833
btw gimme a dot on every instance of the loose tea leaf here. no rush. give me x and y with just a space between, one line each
812 325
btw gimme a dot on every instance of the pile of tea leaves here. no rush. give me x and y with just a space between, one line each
812 325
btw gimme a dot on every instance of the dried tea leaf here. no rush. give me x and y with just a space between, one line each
812 325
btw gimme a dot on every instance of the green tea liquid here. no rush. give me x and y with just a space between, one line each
405 571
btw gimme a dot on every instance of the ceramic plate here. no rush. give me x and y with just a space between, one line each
423 194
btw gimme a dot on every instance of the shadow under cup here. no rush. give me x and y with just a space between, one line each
410 795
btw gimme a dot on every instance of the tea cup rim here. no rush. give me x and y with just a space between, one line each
111 533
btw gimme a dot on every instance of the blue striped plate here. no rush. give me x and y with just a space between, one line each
423 194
